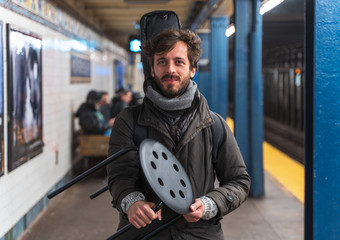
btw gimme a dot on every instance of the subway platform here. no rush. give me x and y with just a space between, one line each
73 215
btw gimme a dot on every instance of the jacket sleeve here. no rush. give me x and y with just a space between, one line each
232 175
124 176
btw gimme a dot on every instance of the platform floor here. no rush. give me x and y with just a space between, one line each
72 215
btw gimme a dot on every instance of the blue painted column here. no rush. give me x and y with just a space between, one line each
256 102
202 77
219 66
248 90
322 120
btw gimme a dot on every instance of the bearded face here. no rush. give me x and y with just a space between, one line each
172 72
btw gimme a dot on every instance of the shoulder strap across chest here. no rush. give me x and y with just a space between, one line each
141 132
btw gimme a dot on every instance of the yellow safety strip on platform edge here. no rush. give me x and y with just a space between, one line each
287 171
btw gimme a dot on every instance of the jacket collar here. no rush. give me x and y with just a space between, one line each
201 120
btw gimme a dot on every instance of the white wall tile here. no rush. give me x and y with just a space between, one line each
23 187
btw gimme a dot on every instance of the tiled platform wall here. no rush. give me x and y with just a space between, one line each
23 190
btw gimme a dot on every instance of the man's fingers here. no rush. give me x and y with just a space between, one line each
159 215
196 205
139 220
197 209
138 223
140 214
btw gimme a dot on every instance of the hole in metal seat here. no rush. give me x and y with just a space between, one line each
155 154
172 194
153 164
183 183
164 156
181 194
176 167
160 181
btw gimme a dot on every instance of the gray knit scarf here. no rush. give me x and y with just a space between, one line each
180 103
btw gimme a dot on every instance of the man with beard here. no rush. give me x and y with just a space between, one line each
177 115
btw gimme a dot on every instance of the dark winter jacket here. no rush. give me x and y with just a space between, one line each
91 120
194 151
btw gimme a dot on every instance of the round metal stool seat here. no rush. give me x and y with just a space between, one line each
166 176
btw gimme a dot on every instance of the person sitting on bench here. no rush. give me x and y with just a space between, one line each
90 118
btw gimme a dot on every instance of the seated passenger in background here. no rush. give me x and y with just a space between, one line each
120 101
90 118
105 105
137 98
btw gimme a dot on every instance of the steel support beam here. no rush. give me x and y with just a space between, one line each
322 120
219 65
202 77
209 7
248 90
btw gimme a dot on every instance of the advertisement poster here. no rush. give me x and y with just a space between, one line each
24 97
1 105
80 68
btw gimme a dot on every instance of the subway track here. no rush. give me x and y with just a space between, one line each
285 138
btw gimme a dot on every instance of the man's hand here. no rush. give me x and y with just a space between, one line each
196 211
140 214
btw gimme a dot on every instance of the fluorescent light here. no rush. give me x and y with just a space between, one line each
77 45
230 30
268 5
265 7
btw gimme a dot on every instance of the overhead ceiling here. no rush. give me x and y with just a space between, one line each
284 24
118 19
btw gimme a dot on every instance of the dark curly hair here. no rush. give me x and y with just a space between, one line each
165 42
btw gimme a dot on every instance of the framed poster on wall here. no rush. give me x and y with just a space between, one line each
25 128
80 67
1 104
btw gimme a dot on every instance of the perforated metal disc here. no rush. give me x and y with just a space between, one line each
166 176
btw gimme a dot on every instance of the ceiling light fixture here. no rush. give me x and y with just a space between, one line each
230 30
268 5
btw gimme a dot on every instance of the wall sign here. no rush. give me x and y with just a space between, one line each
25 128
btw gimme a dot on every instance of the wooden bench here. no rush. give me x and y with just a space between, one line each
93 145
87 150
